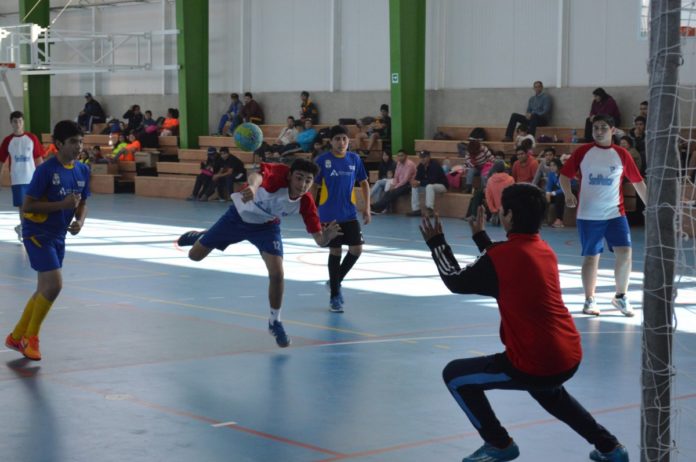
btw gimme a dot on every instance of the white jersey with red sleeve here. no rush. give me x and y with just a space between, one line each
602 170
21 150
272 200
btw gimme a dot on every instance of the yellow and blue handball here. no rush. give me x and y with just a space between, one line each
248 137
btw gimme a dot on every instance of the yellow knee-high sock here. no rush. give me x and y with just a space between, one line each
23 322
41 307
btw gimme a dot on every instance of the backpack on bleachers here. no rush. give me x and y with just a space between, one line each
478 134
441 136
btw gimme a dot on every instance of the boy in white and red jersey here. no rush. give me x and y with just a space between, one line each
602 166
272 193
23 153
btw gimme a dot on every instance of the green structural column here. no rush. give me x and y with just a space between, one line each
192 53
37 88
407 56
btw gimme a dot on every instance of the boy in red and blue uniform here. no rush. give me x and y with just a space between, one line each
54 204
339 171
542 344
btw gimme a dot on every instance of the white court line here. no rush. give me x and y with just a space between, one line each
223 424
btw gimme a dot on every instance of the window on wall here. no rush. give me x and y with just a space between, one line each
688 18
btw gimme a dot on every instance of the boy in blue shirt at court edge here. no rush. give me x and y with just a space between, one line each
54 204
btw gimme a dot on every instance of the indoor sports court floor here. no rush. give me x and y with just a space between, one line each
150 357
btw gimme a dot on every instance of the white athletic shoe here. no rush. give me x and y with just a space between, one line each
623 305
590 307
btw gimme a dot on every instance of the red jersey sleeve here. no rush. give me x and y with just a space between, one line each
572 166
308 210
38 147
4 148
630 170
275 176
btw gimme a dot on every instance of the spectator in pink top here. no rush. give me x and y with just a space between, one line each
401 184
602 103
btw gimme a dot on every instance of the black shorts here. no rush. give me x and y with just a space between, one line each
352 235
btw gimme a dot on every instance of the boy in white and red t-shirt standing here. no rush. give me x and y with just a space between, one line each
23 153
602 167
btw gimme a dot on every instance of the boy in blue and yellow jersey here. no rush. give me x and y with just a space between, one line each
339 170
54 204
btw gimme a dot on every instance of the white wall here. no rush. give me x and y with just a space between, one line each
277 48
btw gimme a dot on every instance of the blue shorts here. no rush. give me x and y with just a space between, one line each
230 229
18 192
593 232
45 254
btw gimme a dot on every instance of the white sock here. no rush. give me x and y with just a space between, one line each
275 315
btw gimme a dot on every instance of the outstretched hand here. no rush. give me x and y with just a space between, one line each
478 224
430 229
332 231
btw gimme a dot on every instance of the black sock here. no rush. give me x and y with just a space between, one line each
620 295
347 263
334 271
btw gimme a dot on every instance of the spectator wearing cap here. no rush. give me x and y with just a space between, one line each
204 180
431 179
478 158
91 114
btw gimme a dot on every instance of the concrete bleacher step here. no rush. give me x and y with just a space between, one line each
178 168
448 148
175 186
461 132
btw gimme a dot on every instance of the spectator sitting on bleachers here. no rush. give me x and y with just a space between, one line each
554 193
96 155
602 103
431 179
498 179
84 157
404 173
251 111
286 136
643 109
308 110
149 124
538 113
525 168
135 119
637 134
91 114
626 142
118 149
318 148
307 136
384 177
232 115
51 150
477 156
545 158
204 179
231 170
378 128
170 125
522 133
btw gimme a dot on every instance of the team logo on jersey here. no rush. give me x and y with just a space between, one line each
56 179
334 173
327 163
351 167
80 184
600 180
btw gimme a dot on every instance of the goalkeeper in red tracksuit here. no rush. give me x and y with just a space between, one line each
542 345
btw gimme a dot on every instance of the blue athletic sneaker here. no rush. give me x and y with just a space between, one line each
488 453
340 294
276 330
336 304
189 238
619 454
